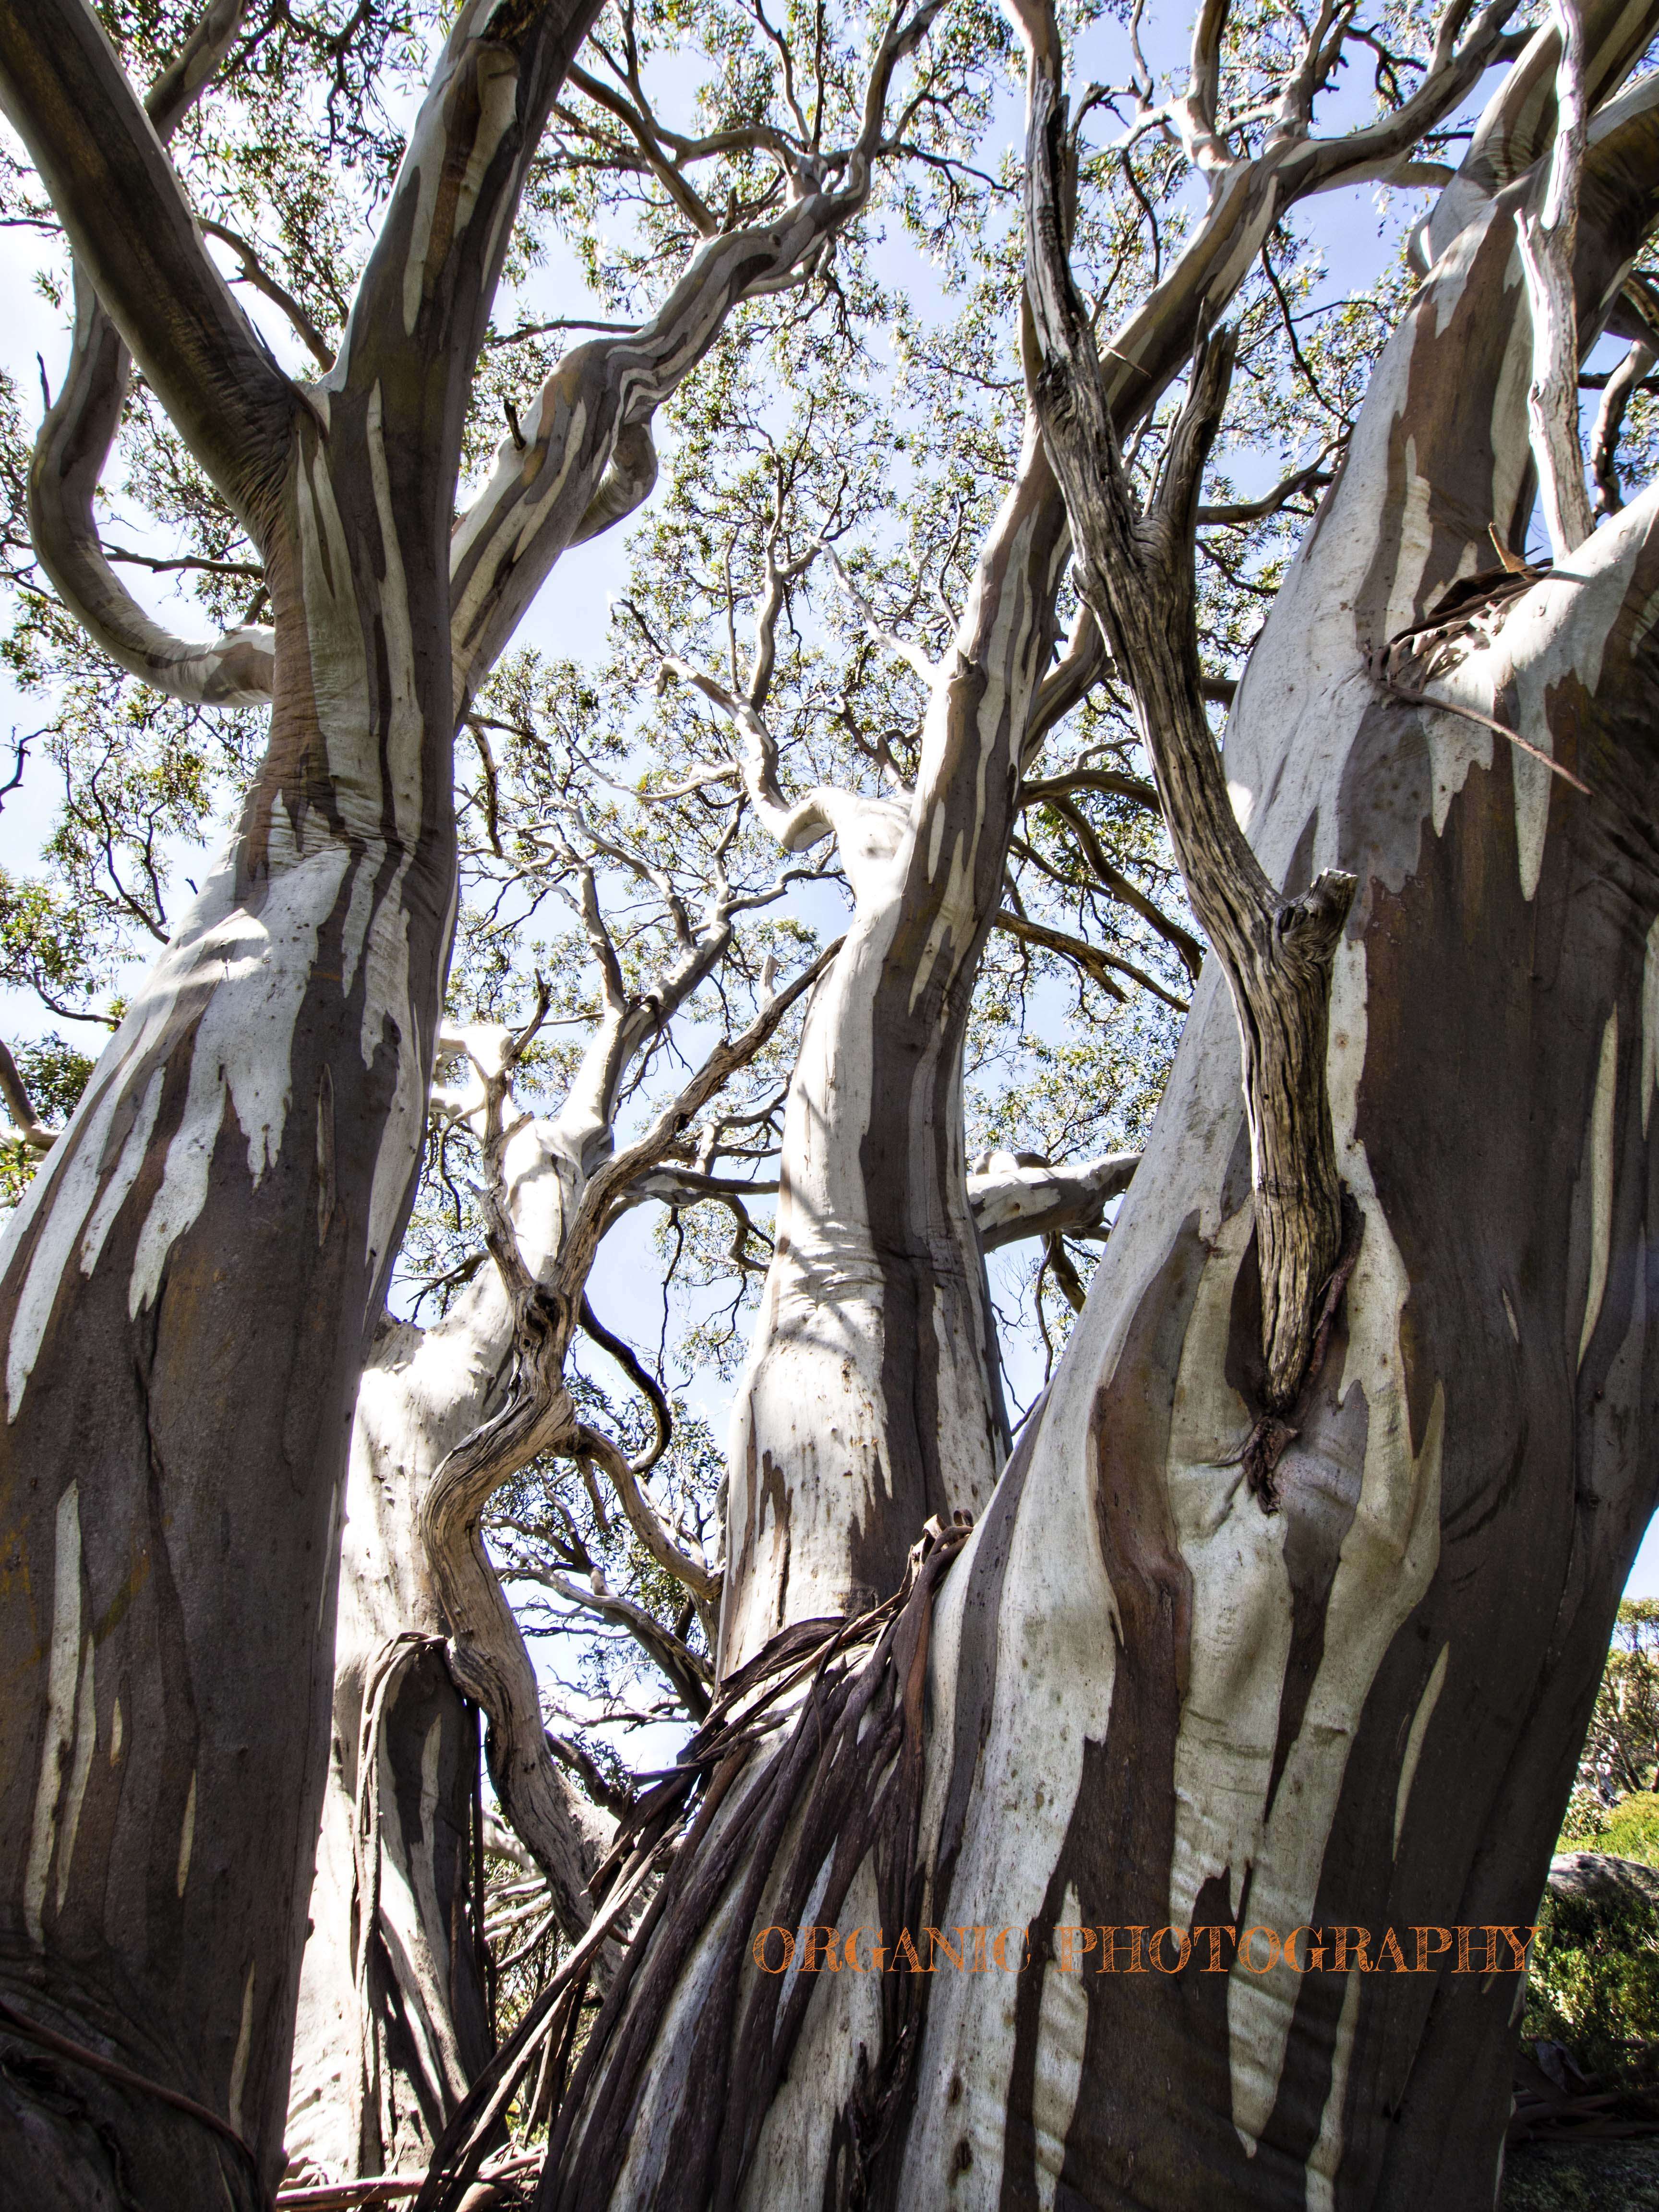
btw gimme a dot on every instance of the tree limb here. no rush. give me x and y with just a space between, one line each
1136 574
1547 240
1627 378
1093 959
128 219
256 274
1015 1195
643 1381
21 1107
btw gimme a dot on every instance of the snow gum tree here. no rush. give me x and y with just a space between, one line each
1290 1607
163 1734
1287 1607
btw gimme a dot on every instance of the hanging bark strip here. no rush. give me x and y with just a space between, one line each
1135 572
791 1833
741 1829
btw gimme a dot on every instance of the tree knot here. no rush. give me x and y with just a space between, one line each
1312 924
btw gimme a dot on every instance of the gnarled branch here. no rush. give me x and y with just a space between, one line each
1136 574
1547 240
132 227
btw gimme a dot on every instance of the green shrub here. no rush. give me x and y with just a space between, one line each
1595 1980
1632 1831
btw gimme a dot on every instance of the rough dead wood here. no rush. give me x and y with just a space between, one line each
1135 572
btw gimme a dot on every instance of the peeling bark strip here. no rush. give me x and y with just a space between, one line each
172 1507
1136 574
767 1839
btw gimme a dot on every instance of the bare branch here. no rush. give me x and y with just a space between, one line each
1079 668
1124 887
21 1107
1093 959
266 285
1548 239
643 1381
1039 791
1017 1195
701 1582
73 446
902 648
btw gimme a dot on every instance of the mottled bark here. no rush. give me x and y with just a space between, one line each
238 1172
871 1398
580 460
1152 1706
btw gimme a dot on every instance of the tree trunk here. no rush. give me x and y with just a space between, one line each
872 1394
238 1173
391 2030
1153 1704
392 2023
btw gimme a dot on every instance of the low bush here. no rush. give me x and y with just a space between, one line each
1594 1985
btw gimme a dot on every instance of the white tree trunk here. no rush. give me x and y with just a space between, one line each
872 1395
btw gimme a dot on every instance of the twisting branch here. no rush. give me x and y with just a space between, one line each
15 1092
131 226
643 1381
1547 241
73 446
581 458
603 394
1627 378
1136 574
